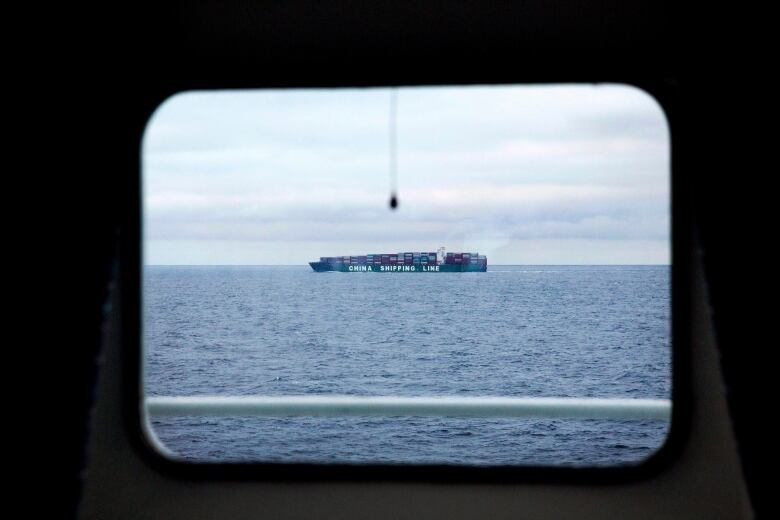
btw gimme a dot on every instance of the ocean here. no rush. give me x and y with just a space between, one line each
553 331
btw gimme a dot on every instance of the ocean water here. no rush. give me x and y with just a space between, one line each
554 331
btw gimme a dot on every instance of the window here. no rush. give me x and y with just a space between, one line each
290 315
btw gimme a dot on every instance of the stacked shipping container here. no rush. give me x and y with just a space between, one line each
465 258
407 258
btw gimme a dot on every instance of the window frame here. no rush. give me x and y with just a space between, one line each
130 277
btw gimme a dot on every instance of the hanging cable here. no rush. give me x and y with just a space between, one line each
393 150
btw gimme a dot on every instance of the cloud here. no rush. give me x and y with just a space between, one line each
504 164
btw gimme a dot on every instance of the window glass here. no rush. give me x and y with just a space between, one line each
528 257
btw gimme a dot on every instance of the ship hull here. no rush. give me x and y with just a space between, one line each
322 267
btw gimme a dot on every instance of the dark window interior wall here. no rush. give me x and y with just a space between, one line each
112 64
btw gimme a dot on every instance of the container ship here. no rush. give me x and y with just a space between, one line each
412 262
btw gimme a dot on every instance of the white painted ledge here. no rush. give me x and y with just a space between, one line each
340 406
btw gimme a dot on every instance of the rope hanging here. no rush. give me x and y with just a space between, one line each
393 150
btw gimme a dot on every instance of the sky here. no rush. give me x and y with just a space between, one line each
548 174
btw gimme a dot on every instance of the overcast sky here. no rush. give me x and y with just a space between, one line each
525 175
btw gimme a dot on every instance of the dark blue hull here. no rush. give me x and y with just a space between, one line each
322 267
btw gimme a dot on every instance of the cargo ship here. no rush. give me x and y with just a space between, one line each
408 262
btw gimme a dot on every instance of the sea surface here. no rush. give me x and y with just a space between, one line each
553 331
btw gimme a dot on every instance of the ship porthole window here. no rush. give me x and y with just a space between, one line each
514 311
